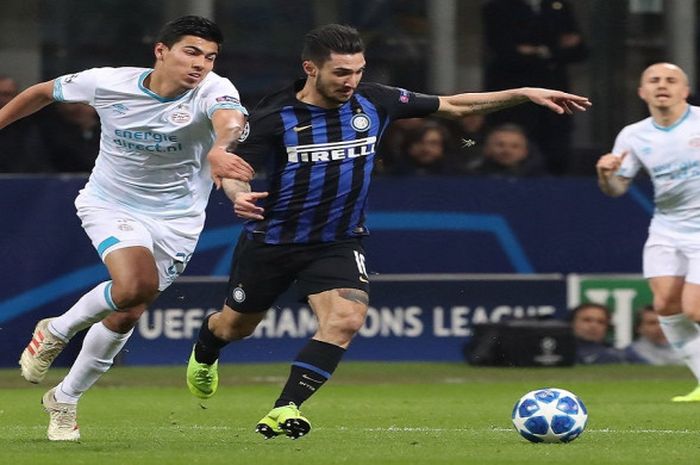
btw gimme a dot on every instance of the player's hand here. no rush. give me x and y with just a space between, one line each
245 207
609 163
228 165
557 101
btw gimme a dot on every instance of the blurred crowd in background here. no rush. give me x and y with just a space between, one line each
520 43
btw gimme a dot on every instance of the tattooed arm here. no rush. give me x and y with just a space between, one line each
486 102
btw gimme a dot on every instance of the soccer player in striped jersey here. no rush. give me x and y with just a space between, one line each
165 134
667 146
319 138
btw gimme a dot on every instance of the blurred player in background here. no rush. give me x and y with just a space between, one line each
165 132
319 137
667 146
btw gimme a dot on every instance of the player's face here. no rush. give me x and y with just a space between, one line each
663 86
188 61
591 324
339 76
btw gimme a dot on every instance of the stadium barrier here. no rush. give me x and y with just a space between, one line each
499 227
412 317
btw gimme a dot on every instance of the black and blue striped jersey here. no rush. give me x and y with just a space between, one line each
319 161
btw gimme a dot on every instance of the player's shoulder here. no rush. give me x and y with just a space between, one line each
374 88
389 95
104 76
213 79
217 87
108 72
118 72
642 125
694 111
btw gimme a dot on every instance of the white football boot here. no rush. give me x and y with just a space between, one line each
42 350
63 424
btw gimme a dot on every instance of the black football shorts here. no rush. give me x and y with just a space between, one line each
261 272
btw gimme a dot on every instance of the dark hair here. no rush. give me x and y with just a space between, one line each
576 310
196 26
322 41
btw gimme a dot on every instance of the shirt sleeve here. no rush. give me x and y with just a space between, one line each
221 94
78 87
631 164
257 140
402 103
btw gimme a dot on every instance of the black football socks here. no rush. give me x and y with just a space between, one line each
313 366
207 348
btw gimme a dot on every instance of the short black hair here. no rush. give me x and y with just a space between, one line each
576 310
197 26
331 38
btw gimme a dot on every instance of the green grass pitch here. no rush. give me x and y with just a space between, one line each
369 413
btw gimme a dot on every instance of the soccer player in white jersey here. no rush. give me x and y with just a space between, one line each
165 132
667 146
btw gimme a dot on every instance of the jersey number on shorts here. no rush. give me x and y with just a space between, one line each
179 264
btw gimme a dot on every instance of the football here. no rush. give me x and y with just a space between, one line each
550 415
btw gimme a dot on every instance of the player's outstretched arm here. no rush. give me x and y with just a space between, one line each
243 199
228 126
27 102
487 102
610 183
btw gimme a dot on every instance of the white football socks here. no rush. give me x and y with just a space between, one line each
684 336
96 356
92 307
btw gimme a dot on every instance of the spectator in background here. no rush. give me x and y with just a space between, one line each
470 129
531 43
389 151
468 132
427 149
21 148
396 33
508 152
651 343
72 137
590 323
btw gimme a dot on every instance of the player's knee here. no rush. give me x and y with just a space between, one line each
134 292
123 321
346 325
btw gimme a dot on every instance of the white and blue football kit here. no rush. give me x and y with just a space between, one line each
151 179
671 157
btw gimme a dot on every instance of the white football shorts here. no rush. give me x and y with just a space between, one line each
672 254
111 227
